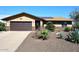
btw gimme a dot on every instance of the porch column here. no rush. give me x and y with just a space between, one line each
7 24
33 25
41 24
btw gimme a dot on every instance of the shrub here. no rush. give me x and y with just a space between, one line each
50 26
2 26
76 25
67 29
43 34
73 36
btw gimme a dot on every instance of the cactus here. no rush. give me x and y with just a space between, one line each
73 36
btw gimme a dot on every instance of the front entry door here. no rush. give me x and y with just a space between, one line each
37 25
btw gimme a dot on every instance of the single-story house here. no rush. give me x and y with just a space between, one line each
26 22
23 22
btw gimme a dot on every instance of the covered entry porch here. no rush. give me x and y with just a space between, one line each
39 25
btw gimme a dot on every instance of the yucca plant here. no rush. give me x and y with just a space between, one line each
73 36
43 34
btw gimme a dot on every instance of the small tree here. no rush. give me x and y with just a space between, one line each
76 25
75 16
2 26
50 26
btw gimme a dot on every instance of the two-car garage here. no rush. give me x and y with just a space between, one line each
20 25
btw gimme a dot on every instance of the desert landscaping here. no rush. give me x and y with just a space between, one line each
24 32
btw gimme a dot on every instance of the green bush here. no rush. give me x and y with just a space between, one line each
2 26
50 26
73 36
43 34
76 25
67 29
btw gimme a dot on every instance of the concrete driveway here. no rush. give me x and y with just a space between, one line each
10 40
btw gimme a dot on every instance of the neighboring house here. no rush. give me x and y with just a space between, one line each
27 22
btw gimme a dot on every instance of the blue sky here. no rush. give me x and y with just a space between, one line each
41 11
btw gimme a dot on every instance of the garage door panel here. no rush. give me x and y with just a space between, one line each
20 26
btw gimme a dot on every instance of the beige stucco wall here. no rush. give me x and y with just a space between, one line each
69 25
23 18
59 25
